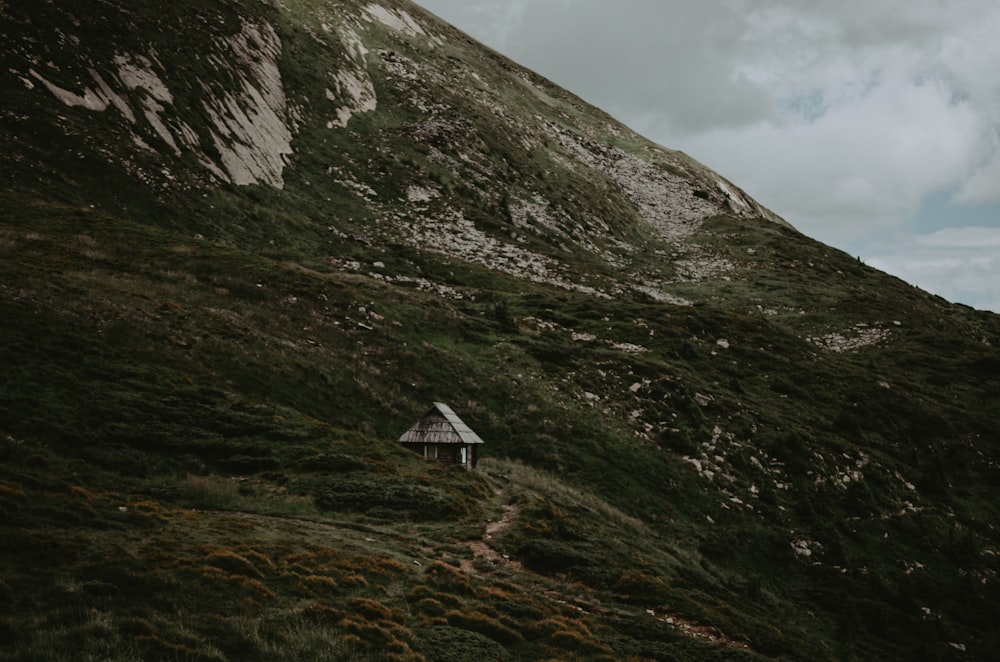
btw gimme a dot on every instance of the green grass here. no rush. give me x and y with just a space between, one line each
202 386
174 421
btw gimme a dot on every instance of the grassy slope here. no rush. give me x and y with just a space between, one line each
197 432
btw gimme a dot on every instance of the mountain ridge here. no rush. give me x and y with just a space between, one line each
246 244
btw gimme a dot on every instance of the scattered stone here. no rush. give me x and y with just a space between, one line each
420 194
859 336
628 347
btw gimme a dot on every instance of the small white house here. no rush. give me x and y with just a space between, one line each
441 435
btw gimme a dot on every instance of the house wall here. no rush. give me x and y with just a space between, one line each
446 453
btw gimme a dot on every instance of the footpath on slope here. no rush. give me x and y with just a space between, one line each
585 601
482 550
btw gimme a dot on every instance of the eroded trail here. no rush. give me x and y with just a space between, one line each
481 549
362 537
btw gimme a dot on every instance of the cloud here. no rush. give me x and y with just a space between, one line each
660 56
846 118
844 103
861 164
983 187
962 238
959 264
491 21
645 56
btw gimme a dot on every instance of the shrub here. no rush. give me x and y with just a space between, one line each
423 592
158 648
430 607
387 638
446 577
552 556
11 498
380 497
320 612
578 642
642 589
376 565
332 462
375 610
444 643
8 630
483 624
227 559
547 628
254 586
354 580
319 584
247 464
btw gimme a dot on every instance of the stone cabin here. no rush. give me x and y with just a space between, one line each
441 435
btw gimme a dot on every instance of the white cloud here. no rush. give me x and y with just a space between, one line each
863 164
978 238
983 187
959 264
491 21
844 117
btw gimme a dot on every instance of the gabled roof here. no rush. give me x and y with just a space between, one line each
440 425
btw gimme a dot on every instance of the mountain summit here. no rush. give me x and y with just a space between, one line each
246 244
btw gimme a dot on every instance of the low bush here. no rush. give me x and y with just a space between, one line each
445 643
640 588
479 622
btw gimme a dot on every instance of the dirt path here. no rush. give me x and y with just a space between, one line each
360 534
698 631
481 549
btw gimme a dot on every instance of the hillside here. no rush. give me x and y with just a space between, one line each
245 244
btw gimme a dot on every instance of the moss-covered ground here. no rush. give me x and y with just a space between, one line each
201 386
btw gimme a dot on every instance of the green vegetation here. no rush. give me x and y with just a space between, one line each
202 382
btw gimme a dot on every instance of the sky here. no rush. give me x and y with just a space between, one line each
871 125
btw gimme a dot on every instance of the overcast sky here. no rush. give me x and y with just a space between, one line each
871 125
